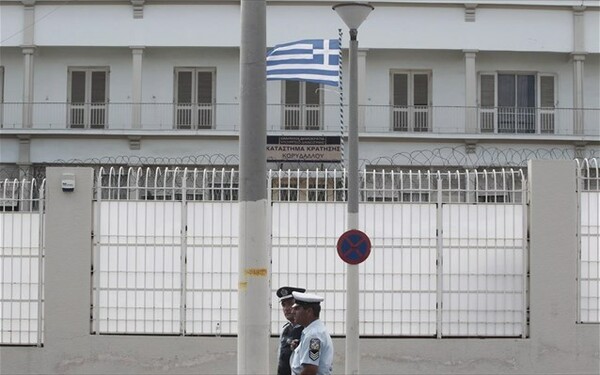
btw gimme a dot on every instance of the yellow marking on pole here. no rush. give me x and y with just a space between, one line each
242 285
256 272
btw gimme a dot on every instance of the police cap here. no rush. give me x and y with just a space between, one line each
307 298
285 292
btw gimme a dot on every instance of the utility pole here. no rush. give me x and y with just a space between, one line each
254 264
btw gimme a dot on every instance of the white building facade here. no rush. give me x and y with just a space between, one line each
460 83
478 266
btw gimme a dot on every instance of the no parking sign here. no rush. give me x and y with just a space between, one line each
354 246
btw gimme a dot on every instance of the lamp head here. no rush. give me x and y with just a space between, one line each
353 13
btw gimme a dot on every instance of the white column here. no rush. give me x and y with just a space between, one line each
578 60
137 53
28 86
68 257
362 89
28 48
28 21
470 92
553 231
578 65
24 162
578 29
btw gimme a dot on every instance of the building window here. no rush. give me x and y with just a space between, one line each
88 97
194 98
302 106
517 103
411 98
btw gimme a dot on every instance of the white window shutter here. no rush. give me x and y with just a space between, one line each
400 89
205 87
421 89
487 92
184 87
547 94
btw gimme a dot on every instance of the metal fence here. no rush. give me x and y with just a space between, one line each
588 188
449 250
21 262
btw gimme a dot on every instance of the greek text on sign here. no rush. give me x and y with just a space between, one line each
304 149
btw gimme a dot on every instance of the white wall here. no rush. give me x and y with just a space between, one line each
159 64
11 24
447 74
591 81
105 150
52 64
84 25
390 26
12 61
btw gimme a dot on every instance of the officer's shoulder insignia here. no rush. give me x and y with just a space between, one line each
314 349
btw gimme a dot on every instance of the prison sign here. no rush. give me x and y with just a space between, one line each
304 149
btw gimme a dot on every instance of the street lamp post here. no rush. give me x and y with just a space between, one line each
254 261
353 14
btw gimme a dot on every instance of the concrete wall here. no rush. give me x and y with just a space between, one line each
393 24
556 344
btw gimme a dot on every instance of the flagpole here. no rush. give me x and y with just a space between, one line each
341 87
253 260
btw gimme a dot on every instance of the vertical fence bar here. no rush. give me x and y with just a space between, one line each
524 250
579 185
439 260
96 255
183 255
41 253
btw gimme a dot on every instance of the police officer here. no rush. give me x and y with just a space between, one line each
291 330
314 354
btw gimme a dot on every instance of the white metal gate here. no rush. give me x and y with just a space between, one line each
449 251
21 262
588 190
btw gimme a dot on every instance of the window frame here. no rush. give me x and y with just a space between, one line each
538 111
87 106
194 106
411 110
302 108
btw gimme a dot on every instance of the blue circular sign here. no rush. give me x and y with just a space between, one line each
354 246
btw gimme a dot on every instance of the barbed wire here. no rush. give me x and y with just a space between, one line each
481 157
204 160
426 158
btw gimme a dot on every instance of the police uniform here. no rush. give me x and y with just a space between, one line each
290 332
316 347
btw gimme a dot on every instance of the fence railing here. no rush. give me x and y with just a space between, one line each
376 118
449 252
588 190
21 262
165 250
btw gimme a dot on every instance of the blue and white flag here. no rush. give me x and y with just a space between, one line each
314 60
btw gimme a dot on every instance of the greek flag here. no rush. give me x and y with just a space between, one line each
315 60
